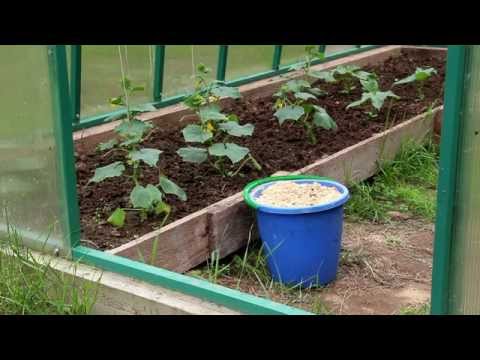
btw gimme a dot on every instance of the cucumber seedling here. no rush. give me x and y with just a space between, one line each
420 76
373 95
347 75
294 102
131 132
215 129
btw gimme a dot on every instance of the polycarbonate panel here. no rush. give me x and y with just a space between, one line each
295 53
180 64
29 197
101 75
292 54
332 49
465 261
244 60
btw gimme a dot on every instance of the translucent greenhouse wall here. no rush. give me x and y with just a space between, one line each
101 70
101 74
464 297
29 190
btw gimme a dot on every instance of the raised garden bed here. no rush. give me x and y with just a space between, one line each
214 217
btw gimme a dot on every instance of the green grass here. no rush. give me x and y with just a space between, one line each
423 309
28 287
406 184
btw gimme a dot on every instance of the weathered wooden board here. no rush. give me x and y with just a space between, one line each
180 245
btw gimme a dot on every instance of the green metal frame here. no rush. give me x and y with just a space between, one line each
451 128
196 287
57 61
222 62
159 65
159 102
76 80
230 298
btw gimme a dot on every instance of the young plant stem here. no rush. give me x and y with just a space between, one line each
124 87
308 128
136 167
153 255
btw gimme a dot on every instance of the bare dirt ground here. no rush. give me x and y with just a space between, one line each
384 269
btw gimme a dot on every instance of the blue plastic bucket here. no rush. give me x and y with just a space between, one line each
301 244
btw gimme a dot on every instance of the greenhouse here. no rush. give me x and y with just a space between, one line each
238 179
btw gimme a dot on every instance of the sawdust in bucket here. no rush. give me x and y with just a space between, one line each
293 194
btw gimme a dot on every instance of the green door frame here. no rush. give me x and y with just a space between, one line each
451 130
64 117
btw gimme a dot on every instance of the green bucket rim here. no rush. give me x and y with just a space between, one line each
246 191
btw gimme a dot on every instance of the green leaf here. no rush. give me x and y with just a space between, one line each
364 75
133 129
194 100
235 129
304 96
424 74
370 85
137 88
365 97
326 76
169 187
117 218
406 80
203 69
107 145
144 197
419 75
118 101
322 119
193 154
289 113
234 152
226 91
113 170
317 91
155 193
211 112
232 117
378 98
148 156
295 85
346 69
162 207
126 83
195 133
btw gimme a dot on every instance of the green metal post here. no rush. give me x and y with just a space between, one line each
451 128
277 57
322 48
159 65
222 62
76 80
57 60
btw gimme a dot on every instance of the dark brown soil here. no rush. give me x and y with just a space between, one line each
276 148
